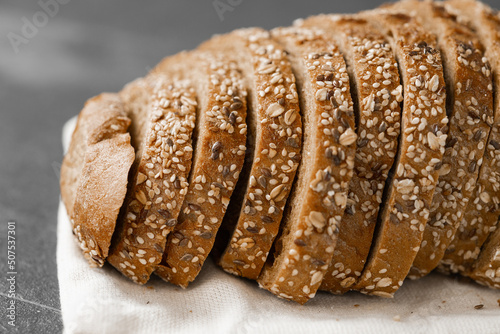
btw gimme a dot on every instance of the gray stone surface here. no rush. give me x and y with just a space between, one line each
87 47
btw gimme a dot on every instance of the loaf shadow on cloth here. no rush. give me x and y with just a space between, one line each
102 301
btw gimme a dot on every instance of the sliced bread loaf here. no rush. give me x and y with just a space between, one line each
481 214
94 174
301 254
163 118
377 91
409 192
273 149
220 139
470 113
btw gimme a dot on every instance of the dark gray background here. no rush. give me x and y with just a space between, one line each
86 48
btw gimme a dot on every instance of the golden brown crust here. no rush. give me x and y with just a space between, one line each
470 112
218 160
375 75
482 212
424 124
99 116
310 224
99 154
159 179
278 138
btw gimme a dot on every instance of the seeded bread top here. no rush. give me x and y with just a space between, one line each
423 135
219 155
470 113
158 182
99 154
376 86
482 212
275 139
318 199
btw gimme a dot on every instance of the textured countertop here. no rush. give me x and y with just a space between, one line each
53 58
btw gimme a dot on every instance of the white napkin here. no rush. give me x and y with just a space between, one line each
102 301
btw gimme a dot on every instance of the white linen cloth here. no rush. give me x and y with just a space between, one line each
102 301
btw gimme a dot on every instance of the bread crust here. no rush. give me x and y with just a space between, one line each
481 215
376 86
423 135
470 112
219 156
99 154
158 182
486 269
273 106
318 199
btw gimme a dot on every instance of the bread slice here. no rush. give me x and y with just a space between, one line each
94 174
470 112
408 196
301 254
486 269
273 149
163 117
218 159
376 87
482 212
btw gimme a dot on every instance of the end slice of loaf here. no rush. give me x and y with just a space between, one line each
94 174
218 159
409 193
482 212
273 149
301 254
376 89
469 87
163 118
